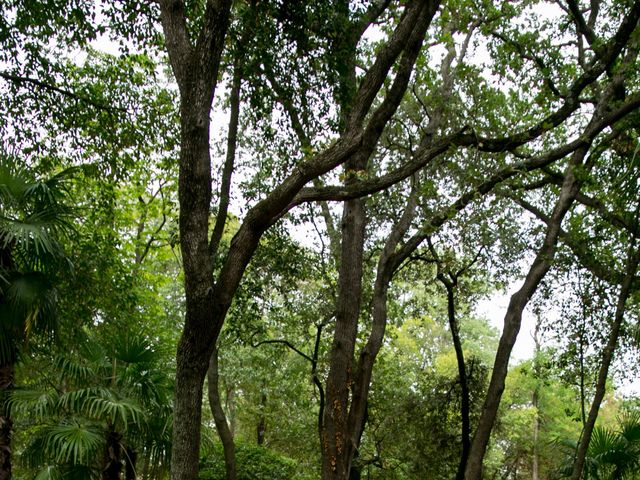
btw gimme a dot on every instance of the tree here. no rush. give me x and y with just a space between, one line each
436 140
34 218
96 411
613 453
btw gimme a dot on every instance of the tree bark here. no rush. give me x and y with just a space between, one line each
336 448
195 67
344 420
607 357
465 404
112 456
220 419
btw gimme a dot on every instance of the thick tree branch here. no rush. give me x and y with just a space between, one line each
278 202
581 25
374 11
579 248
424 156
377 74
232 143
174 24
625 221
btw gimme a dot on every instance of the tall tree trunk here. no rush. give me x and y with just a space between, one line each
465 404
220 419
6 424
344 421
112 456
336 442
195 66
607 357
513 317
261 427
191 368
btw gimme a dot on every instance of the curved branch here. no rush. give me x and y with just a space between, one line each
54 88
424 156
286 343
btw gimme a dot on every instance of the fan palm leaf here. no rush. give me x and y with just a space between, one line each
74 442
612 454
74 371
33 217
38 404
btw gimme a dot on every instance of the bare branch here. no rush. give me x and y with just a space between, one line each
232 143
54 88
581 25
287 344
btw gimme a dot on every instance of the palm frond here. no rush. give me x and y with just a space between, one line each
603 441
72 370
81 472
49 472
118 411
31 300
133 348
13 183
102 404
31 234
37 404
630 426
74 442
74 400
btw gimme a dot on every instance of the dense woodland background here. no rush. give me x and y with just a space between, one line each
248 239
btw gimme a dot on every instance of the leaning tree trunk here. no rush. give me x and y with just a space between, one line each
607 357
513 317
220 419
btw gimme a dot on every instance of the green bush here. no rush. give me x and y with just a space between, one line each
253 463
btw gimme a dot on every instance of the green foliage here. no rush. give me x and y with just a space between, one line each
613 454
112 384
35 216
254 463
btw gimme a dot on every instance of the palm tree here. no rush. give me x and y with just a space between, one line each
33 218
613 454
102 406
